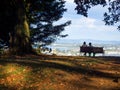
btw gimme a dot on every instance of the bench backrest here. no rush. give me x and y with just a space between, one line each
92 49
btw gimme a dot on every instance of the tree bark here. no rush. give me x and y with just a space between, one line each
20 38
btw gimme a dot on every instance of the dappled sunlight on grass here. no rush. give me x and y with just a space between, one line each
61 62
18 77
56 72
14 75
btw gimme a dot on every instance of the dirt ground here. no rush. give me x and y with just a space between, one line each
60 72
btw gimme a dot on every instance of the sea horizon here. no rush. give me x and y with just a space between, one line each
71 47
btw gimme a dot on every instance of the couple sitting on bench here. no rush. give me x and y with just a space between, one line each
90 49
85 45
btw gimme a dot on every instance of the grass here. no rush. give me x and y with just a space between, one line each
59 72
14 75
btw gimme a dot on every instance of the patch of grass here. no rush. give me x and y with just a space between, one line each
53 74
14 75
65 62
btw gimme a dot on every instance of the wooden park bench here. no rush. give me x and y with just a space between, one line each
90 50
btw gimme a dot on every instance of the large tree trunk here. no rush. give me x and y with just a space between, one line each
20 38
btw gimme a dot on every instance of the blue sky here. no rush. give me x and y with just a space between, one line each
88 28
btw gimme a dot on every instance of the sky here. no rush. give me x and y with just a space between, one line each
88 28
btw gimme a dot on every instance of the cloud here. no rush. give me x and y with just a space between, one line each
88 28
88 22
69 1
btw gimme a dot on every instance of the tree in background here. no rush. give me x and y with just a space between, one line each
111 17
17 16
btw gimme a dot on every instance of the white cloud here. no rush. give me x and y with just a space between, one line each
70 1
89 22
88 28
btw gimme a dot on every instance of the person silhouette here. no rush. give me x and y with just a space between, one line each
90 44
84 45
90 50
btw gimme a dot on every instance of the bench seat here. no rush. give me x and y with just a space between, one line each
90 50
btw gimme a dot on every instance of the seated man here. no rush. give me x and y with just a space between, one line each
90 45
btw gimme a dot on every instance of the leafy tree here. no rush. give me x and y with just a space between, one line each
17 16
111 17
44 22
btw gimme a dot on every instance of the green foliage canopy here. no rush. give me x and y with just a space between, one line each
43 19
41 13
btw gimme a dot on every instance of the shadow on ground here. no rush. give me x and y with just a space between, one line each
35 63
45 62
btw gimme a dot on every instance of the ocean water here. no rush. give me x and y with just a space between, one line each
72 47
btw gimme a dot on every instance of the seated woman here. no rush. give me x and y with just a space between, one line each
84 45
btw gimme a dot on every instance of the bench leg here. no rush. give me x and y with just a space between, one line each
85 54
93 54
89 54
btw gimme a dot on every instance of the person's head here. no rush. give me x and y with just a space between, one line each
90 44
84 43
